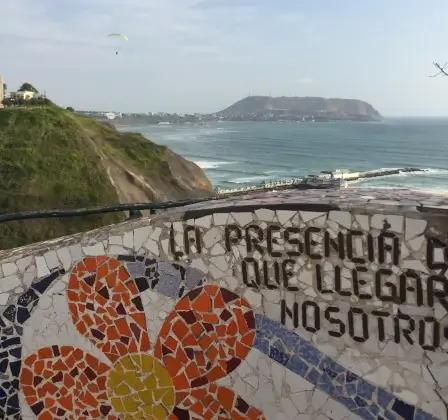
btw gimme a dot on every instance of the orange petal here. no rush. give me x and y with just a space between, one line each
70 385
217 402
106 307
208 334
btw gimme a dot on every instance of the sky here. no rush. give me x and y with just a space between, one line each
203 55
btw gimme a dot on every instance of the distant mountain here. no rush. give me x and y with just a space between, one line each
336 107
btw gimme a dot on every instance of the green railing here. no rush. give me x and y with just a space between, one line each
133 209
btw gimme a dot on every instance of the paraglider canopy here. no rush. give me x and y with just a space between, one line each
120 36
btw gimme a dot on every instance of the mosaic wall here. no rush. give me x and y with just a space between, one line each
287 306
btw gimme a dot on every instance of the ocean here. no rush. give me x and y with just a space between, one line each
239 154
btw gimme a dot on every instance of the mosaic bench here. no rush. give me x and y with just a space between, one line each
293 305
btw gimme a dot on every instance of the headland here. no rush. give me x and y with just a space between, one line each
52 158
259 108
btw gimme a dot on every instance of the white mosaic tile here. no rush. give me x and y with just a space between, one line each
414 227
343 218
94 250
9 268
51 258
42 268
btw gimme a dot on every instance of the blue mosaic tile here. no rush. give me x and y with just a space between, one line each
374 409
403 409
278 356
267 327
360 402
169 279
261 344
351 389
389 415
421 415
384 398
310 354
325 384
290 341
365 414
348 402
297 365
365 390
332 369
281 347
340 379
313 376
303 358
350 377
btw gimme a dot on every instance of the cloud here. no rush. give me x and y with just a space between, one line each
189 47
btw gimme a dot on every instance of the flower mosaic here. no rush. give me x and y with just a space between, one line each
206 337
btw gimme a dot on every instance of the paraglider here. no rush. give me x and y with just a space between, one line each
119 35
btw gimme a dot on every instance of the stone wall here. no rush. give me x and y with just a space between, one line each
290 305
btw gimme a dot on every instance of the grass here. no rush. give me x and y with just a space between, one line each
47 161
132 149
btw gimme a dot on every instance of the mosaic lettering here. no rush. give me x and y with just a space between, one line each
277 256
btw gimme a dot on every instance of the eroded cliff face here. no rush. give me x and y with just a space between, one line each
54 159
176 179
137 178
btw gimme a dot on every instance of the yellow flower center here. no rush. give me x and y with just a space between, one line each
139 387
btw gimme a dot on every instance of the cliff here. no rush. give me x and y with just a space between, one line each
51 158
306 105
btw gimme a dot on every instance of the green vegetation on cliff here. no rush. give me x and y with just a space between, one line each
51 158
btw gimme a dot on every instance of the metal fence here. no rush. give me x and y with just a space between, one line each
133 209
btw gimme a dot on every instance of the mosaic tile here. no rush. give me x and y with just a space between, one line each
10 365
359 389
206 337
139 387
301 357
64 381
106 308
11 345
170 279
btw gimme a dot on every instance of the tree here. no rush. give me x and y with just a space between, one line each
28 88
440 68
5 88
69 108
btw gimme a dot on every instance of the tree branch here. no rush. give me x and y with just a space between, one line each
441 68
